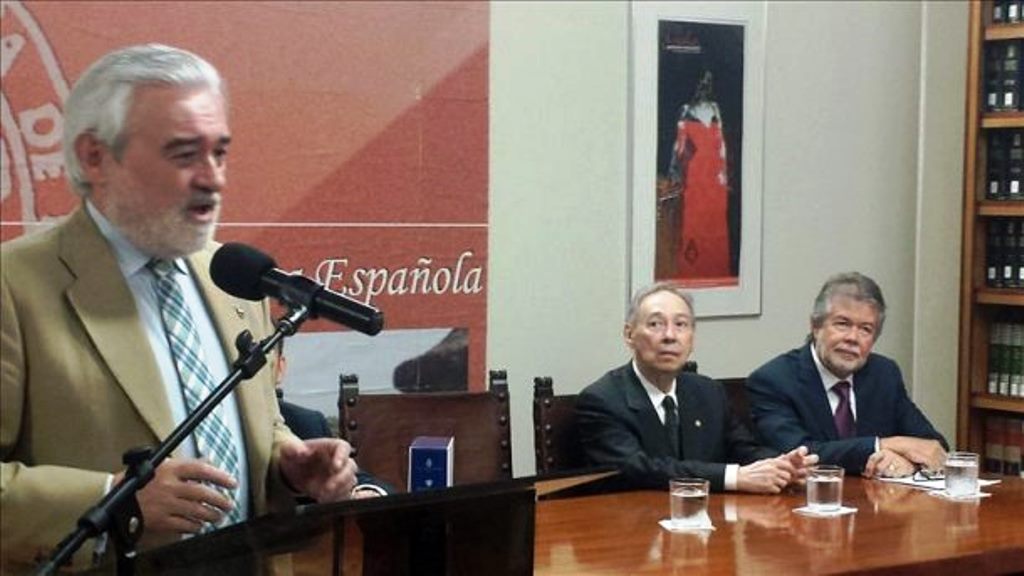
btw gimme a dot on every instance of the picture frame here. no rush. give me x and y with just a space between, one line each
696 151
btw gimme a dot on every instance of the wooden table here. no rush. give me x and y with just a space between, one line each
897 529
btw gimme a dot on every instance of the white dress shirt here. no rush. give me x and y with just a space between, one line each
657 397
142 282
828 379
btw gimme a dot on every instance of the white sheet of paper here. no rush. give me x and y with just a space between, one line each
939 484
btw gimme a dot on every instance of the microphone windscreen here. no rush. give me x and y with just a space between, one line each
238 269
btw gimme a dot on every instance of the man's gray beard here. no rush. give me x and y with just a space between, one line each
164 236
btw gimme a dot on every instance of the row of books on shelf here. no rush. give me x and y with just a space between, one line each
1004 253
1005 165
1004 442
1006 11
1006 357
1003 76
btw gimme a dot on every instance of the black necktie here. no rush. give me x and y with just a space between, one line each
671 424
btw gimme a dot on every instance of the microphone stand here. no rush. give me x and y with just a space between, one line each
118 512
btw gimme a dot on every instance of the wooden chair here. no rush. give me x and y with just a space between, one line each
380 428
736 390
556 442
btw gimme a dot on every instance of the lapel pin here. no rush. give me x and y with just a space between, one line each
697 423
240 312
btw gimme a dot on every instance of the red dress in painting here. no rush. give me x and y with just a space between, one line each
700 155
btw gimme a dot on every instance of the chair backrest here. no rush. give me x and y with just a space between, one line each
556 441
380 428
736 390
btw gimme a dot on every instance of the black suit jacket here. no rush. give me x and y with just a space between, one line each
304 422
789 406
619 426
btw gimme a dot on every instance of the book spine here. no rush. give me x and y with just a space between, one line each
994 444
1012 446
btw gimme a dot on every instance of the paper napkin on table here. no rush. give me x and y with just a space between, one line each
704 524
841 511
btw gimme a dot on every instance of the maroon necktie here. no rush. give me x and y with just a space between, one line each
845 424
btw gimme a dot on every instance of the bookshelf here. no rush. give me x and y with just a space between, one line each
984 307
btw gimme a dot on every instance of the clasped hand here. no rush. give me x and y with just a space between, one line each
772 475
899 456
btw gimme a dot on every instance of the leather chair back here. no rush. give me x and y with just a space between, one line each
555 438
380 428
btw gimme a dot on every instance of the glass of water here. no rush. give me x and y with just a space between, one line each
688 500
825 488
961 474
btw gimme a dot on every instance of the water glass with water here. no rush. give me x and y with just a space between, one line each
961 474
825 488
688 500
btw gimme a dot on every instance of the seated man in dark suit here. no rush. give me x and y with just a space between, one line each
838 398
628 418
303 422
308 424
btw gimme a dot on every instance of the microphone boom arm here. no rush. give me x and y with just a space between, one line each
118 511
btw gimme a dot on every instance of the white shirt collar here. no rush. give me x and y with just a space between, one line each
653 392
827 378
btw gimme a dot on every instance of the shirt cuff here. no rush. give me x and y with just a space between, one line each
370 487
878 443
732 473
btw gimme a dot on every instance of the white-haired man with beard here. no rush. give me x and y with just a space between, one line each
112 328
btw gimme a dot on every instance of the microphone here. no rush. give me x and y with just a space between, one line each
247 273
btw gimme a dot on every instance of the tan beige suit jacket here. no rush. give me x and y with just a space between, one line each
80 385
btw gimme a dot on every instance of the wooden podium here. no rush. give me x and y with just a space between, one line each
472 529
468 529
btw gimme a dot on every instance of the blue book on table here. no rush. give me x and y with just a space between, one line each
431 462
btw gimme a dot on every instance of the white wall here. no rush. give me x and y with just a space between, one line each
940 208
850 123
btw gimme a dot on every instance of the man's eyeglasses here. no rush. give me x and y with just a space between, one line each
924 475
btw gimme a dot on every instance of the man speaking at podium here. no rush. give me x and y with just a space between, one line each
112 330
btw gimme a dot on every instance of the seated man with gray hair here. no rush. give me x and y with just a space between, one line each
835 396
655 422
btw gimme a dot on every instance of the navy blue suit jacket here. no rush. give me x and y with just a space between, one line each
619 426
789 406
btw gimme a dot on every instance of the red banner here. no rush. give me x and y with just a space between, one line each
359 156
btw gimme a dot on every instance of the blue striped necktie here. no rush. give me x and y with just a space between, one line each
213 438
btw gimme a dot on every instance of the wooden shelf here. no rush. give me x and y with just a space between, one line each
1000 296
1001 208
982 307
1004 32
1002 120
998 402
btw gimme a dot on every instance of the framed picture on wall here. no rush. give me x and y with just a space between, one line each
697 148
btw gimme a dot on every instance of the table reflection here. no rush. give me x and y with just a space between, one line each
895 525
